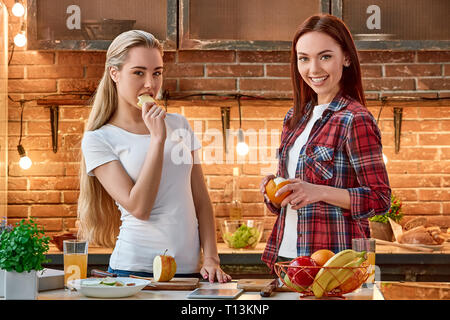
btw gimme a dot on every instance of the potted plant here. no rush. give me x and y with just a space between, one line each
3 227
380 227
22 252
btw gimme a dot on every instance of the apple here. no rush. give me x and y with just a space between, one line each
164 267
143 99
302 271
273 186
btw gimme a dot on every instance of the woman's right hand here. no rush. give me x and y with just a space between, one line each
153 116
262 187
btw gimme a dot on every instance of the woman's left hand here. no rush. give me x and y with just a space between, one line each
303 193
211 269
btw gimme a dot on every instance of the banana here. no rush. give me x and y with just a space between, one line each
343 274
324 276
143 99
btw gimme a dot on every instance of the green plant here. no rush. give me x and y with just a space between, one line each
395 212
23 248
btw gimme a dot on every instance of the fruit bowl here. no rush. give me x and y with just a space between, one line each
335 287
242 234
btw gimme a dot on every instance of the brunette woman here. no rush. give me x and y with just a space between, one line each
330 149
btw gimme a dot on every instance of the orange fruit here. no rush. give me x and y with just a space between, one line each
321 256
273 186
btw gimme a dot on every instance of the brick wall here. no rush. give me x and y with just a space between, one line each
419 174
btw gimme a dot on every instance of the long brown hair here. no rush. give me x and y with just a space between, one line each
99 218
351 83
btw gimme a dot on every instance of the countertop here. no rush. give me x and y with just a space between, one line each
396 264
62 294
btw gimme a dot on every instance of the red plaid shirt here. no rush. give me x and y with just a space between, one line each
344 151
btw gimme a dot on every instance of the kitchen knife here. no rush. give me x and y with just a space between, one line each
267 290
102 274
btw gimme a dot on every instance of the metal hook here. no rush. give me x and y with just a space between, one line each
54 119
225 113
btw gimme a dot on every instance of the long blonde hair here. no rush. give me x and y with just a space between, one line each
99 218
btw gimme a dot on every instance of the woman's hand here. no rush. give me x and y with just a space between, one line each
153 117
303 193
262 188
211 269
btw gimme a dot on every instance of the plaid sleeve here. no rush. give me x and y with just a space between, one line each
364 149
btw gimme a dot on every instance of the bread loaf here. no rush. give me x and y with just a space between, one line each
416 222
417 235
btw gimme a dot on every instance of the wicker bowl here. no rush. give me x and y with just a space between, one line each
359 276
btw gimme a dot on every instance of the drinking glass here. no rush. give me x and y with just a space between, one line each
75 260
368 245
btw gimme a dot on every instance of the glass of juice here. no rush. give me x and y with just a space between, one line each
368 245
75 260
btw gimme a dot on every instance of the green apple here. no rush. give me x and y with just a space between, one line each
292 285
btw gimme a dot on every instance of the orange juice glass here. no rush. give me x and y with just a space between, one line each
75 260
368 245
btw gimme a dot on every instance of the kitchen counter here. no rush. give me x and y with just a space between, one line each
360 294
396 264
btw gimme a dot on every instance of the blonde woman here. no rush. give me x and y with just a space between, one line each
140 189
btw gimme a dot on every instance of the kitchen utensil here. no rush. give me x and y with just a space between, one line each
102 274
412 247
267 290
173 284
258 284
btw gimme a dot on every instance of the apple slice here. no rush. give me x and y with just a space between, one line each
164 267
143 99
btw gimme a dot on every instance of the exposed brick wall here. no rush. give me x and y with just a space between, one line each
419 174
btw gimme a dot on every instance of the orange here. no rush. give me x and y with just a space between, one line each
321 256
273 186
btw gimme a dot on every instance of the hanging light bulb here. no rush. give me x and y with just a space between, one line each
242 147
20 39
18 9
24 162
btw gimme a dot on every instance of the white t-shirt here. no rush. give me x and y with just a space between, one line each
288 246
173 223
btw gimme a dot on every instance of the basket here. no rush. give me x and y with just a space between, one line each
359 276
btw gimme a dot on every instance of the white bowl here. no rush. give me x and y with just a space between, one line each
103 291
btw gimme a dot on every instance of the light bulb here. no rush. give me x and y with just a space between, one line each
385 159
20 39
25 163
18 9
242 147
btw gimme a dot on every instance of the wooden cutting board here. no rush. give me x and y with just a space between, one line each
415 290
173 284
258 284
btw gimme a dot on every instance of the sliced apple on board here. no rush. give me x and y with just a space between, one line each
164 267
143 99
